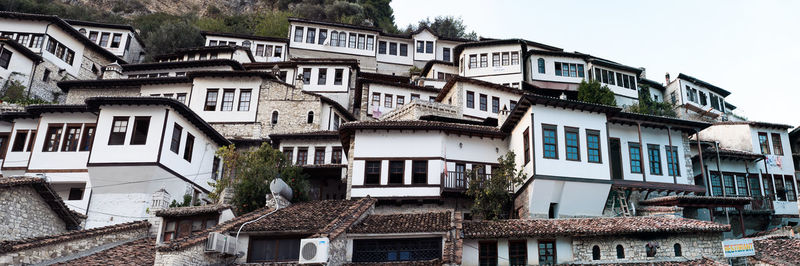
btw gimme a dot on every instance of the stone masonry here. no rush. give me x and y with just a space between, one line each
194 255
27 215
78 96
693 246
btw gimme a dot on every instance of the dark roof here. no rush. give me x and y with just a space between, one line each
404 223
777 251
22 49
334 24
137 252
731 154
235 65
532 99
384 77
96 102
490 42
314 218
432 262
713 88
327 61
56 108
430 64
48 195
106 83
346 113
559 53
66 27
687 200
245 36
588 227
756 124
269 65
652 84
608 63
688 126
224 73
10 116
454 128
449 86
16 245
323 134
107 25
657 186
489 121
217 48
193 210
398 84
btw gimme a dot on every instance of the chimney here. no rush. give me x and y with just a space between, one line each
667 76
644 73
112 71
298 82
159 201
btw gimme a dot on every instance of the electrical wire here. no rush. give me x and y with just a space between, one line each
111 214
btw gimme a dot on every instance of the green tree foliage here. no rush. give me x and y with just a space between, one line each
446 26
51 7
249 173
594 92
492 198
173 36
647 106
16 93
187 201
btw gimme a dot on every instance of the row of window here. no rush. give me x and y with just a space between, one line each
67 137
339 39
5 57
319 155
562 69
615 78
60 50
27 39
181 97
322 76
103 41
401 100
498 59
425 47
483 102
178 228
517 252
261 49
394 48
228 96
571 144
419 172
649 251
188 148
776 187
700 97
654 159
777 145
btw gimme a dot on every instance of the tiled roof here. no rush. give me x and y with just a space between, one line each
193 210
70 218
456 79
317 218
755 124
424 125
320 134
587 227
235 65
10 246
404 223
659 209
244 36
730 154
777 251
138 252
678 200
716 89
22 49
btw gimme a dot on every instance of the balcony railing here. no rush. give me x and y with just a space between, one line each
759 204
459 181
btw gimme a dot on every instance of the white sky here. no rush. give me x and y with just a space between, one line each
745 47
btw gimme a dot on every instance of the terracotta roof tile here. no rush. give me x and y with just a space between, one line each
71 218
756 124
138 252
9 246
423 125
193 210
587 227
404 223
688 199
777 251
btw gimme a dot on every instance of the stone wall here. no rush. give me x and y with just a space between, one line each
78 96
239 130
46 249
46 90
24 214
687 154
417 109
522 205
292 105
193 255
693 246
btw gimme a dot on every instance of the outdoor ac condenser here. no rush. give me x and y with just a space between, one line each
220 243
314 250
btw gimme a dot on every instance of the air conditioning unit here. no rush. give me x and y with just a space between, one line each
314 250
220 243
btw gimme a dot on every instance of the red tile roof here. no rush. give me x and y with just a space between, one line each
70 218
138 252
10 246
193 210
587 227
681 200
404 223
777 251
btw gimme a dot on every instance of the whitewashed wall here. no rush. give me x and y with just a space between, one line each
20 68
198 98
470 251
629 134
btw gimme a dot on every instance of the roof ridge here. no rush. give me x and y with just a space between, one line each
14 245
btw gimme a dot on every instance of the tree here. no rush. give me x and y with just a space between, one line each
648 106
594 92
249 173
172 36
492 197
445 26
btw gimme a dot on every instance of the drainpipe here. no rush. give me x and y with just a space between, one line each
641 156
702 165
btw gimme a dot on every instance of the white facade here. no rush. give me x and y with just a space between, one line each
696 99
653 168
222 99
563 250
480 101
120 40
20 66
501 71
384 98
304 35
624 83
263 49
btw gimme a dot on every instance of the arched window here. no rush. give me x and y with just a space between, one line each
540 61
334 38
246 44
342 39
678 251
310 117
620 252
82 31
595 253
274 117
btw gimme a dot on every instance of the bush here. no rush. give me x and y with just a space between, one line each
594 92
647 106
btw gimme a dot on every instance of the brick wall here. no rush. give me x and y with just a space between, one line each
24 214
693 246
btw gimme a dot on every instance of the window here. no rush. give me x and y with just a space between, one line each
104 39
141 124
227 99
334 38
5 58
302 156
361 41
515 58
401 100
484 60
727 181
414 96
31 140
381 47
181 97
338 76
518 252
571 140
372 172
550 141
715 102
75 193
370 43
779 188
777 145
595 253
215 168
593 145
495 105
287 152
244 100
260 50
470 99
672 161
310 117
755 186
419 172
336 155
420 46
278 51
547 252
310 35
790 193
118 129
273 250
446 54
654 157
635 152
319 155
93 36
741 185
620 252
512 104
352 41
703 99
392 48
342 39
189 147
396 170
175 142
116 40
473 61
388 250
46 75
376 99
768 192
569 70
71 137
306 76
678 251
428 47
53 137
211 100
387 100
403 49
540 63
716 184
487 253
19 140
298 34
483 102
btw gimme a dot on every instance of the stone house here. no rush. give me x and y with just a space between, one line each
31 208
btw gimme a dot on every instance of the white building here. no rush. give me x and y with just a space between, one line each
17 63
240 54
264 49
697 99
321 156
121 40
478 99
496 61
381 96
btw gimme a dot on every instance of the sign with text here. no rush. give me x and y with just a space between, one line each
738 248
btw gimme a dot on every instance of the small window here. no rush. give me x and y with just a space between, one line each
678 251
620 252
351 40
446 54
302 156
116 40
274 117
71 137
322 76
75 193
403 49
470 99
550 141
140 127
495 105
104 39
336 155
473 61
650 250
32 139
319 155
310 34
244 100
370 43
306 76
175 141
484 60
361 41
514 58
287 152
635 152
273 250
571 140
401 100
298 34
595 253
19 140
387 100
118 129
338 76
392 48
777 145
540 62
593 146
53 138
310 117
547 252
211 100
672 161
526 145
483 102
189 148
487 253
372 172
227 99
419 172
420 46
381 47
495 59
5 58
654 157
396 172
376 99
518 252
428 47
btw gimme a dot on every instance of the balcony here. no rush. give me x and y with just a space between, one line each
453 181
759 205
